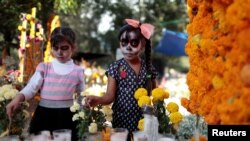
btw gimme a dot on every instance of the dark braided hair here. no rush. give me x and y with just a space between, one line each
147 52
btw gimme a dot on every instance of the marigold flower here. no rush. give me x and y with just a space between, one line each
218 49
172 107
158 94
144 100
175 117
140 92
141 124
217 82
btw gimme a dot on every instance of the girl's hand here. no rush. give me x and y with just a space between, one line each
92 101
14 104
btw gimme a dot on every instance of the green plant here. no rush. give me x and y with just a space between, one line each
163 119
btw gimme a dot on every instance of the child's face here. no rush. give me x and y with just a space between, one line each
131 46
62 51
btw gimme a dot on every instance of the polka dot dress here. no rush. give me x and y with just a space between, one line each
126 112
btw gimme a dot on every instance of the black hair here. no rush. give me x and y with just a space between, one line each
63 34
147 52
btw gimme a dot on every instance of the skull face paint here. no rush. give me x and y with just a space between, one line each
130 45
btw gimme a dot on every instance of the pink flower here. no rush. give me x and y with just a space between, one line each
123 74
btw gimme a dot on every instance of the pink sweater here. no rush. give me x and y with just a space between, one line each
60 87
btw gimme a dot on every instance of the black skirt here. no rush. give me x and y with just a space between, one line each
52 119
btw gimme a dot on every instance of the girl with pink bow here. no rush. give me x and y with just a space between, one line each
128 74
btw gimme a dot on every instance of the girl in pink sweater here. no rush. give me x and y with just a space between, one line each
57 81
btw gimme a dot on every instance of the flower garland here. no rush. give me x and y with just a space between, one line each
218 49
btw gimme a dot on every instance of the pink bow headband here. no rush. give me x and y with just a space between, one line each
146 29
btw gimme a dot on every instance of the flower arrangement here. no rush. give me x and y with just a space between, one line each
218 50
17 123
167 114
90 120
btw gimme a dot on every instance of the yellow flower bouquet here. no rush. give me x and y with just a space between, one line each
167 114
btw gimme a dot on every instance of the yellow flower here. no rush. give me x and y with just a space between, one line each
140 92
141 124
144 100
158 94
172 107
175 117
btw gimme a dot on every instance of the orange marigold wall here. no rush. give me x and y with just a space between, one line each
219 51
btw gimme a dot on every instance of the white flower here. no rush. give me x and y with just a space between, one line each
109 118
1 99
93 128
26 114
107 110
81 114
10 94
75 107
75 117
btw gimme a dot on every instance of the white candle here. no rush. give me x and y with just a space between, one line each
62 134
166 139
119 136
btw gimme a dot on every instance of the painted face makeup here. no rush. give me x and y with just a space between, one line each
62 51
130 45
132 42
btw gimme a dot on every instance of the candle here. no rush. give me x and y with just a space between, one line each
119 134
166 139
62 135
140 136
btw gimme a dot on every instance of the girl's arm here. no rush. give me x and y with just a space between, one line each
107 98
33 85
